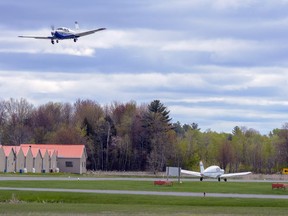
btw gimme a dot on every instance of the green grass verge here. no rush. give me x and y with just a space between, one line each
55 203
208 187
60 197
103 210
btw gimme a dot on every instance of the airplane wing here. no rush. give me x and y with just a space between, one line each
234 174
188 172
80 34
36 37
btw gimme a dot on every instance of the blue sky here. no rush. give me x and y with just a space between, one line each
218 63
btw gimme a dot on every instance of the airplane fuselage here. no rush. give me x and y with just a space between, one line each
63 33
212 172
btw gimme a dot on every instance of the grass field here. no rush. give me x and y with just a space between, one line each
56 203
208 187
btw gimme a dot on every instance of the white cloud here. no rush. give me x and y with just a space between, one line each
215 45
150 41
234 4
193 4
185 94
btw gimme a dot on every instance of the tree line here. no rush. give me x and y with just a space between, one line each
131 137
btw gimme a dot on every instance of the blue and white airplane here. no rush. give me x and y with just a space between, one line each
64 33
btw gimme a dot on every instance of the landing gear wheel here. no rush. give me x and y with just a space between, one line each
219 179
201 179
225 180
75 40
52 41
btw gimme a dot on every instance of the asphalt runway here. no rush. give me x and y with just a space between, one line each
154 193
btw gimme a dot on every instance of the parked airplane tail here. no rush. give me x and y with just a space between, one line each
201 167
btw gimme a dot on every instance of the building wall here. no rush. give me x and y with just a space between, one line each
10 162
29 162
20 160
2 160
70 165
73 165
83 163
37 163
53 161
45 162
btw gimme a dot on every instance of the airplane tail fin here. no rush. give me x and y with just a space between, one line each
201 167
76 25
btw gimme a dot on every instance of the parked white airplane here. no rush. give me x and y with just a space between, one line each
63 33
212 172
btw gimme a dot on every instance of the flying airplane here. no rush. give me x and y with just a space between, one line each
212 172
63 33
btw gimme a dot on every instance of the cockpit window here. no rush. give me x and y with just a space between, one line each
63 29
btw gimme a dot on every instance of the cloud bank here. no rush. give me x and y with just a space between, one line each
218 63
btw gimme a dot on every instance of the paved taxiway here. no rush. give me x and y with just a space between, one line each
182 194
154 193
36 178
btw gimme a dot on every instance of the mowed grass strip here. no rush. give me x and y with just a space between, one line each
61 197
208 187
56 203
107 209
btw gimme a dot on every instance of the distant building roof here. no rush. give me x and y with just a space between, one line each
64 151
7 150
25 150
35 152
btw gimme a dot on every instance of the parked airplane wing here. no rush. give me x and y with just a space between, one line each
36 37
234 174
80 34
198 174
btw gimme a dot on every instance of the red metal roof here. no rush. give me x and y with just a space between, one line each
35 152
7 150
64 151
25 150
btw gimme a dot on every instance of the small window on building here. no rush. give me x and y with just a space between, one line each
69 164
